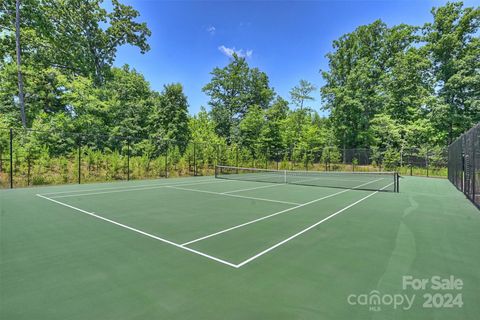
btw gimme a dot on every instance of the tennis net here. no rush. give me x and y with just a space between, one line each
377 181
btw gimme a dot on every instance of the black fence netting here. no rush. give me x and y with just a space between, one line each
33 157
464 164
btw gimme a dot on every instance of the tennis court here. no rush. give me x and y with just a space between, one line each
247 244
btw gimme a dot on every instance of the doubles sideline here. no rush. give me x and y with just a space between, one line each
136 189
118 188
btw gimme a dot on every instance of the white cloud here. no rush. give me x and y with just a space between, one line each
211 30
230 51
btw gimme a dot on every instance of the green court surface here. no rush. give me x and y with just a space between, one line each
206 248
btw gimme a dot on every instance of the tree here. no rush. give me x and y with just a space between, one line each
202 128
409 87
251 128
78 37
299 95
233 90
359 69
129 104
419 133
302 93
19 64
170 119
453 46
271 135
385 132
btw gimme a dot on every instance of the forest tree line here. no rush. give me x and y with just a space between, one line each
386 87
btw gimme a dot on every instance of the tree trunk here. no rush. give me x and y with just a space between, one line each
19 60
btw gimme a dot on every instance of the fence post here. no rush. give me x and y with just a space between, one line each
473 178
426 161
410 162
29 164
327 163
266 159
11 158
462 137
306 160
128 159
194 160
166 159
79 160
236 157
277 158
326 160
292 159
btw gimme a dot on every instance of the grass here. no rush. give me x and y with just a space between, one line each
61 259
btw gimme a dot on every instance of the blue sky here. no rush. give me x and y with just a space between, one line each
286 39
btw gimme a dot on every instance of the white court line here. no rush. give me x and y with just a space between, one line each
116 188
233 195
136 189
323 178
141 232
305 230
271 215
269 186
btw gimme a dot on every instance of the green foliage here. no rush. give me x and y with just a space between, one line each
170 119
302 93
424 78
233 90
453 46
391 159
385 132
76 37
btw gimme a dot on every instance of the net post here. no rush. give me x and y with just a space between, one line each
216 171
397 182
285 176
11 158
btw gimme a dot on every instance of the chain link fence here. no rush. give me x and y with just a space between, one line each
29 158
464 164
